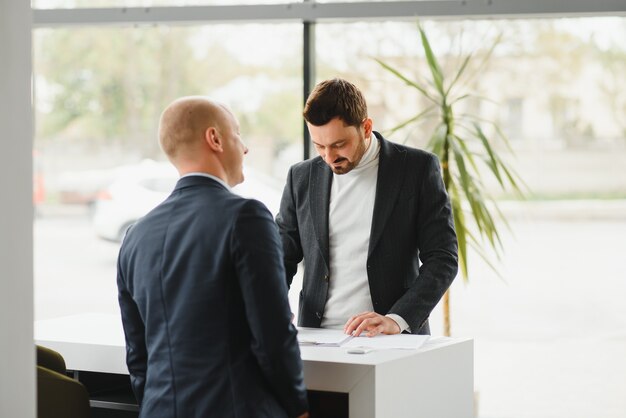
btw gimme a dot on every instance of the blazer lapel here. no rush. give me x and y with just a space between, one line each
391 164
319 200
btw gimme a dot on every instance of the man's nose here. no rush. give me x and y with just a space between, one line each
330 156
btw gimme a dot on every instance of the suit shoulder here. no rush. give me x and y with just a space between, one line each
305 166
302 169
416 153
254 205
248 206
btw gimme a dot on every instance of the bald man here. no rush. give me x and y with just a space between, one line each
201 285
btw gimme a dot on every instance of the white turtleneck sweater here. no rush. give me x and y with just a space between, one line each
351 208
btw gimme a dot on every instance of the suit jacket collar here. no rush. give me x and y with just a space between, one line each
190 181
390 168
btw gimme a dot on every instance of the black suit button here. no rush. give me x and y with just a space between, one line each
326 278
319 315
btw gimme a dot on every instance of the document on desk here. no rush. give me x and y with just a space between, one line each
336 338
322 337
398 341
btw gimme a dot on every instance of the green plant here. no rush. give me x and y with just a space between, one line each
460 142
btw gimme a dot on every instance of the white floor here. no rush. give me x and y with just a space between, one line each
551 341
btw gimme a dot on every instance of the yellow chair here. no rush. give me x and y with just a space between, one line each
57 394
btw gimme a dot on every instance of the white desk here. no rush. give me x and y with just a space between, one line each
435 381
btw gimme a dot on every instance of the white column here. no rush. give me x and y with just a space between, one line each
17 353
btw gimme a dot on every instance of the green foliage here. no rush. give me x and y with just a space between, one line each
106 87
110 85
612 84
463 145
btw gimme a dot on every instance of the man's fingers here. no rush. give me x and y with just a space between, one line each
353 324
355 321
362 327
370 326
355 318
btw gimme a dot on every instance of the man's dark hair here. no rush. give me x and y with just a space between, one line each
335 98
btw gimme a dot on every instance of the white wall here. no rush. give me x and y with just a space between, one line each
17 354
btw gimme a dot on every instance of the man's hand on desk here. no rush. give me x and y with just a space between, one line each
305 415
371 324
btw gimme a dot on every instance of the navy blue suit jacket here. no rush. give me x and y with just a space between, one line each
205 310
412 222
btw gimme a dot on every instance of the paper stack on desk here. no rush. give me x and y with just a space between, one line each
336 338
322 337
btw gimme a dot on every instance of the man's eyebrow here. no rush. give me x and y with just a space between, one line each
331 144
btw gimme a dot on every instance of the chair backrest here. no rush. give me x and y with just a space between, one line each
57 394
50 359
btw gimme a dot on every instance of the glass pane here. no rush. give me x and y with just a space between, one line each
555 87
99 95
551 329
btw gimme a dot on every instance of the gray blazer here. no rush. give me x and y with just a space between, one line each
412 257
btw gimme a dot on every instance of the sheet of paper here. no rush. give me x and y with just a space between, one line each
321 336
403 341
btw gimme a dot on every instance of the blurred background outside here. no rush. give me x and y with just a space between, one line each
550 336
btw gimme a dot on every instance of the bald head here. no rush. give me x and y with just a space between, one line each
200 135
184 123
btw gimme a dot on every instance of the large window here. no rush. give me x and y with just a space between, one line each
549 336
99 94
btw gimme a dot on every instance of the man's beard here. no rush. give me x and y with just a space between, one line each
351 164
343 169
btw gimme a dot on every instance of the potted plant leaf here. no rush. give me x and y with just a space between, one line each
463 145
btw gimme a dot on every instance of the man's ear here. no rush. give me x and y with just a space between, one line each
212 138
367 127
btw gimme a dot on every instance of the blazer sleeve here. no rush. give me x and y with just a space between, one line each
134 332
287 221
437 245
258 260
